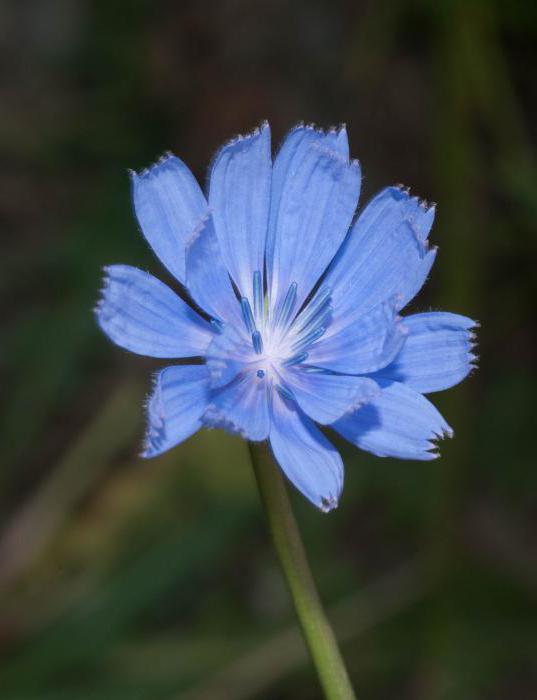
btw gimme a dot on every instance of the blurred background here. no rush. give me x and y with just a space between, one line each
124 579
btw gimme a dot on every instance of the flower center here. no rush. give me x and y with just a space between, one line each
282 336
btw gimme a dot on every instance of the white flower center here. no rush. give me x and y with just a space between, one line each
281 339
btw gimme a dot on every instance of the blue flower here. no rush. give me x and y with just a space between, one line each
295 314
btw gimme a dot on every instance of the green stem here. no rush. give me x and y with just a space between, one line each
316 629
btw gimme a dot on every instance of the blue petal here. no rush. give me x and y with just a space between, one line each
207 278
338 141
437 353
399 423
239 197
307 458
170 208
313 216
325 397
143 315
290 155
366 344
241 407
227 355
179 398
386 253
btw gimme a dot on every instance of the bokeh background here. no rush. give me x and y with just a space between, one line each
124 579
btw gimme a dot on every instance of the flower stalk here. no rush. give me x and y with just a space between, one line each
316 629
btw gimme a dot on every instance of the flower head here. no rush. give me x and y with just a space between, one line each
301 303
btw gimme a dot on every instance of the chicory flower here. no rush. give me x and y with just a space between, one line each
292 306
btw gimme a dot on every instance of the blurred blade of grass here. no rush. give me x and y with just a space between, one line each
136 505
374 35
82 636
43 352
35 524
459 269
260 669
257 671
495 538
501 112
51 343
148 494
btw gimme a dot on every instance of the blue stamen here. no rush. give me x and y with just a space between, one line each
260 373
284 392
258 296
257 340
217 324
319 304
310 338
295 359
286 308
321 316
318 370
247 315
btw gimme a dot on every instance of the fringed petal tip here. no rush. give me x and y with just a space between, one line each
108 272
243 138
472 332
150 447
141 314
237 140
418 213
470 326
311 126
155 420
149 171
306 457
438 352
328 503
433 451
103 291
473 357
423 204
400 423
473 362
334 137
239 191
178 397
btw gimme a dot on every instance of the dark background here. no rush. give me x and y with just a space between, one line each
123 579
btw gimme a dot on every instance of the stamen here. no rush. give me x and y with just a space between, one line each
257 340
247 315
309 338
316 307
284 392
286 308
295 359
260 373
318 370
258 296
217 324
320 318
